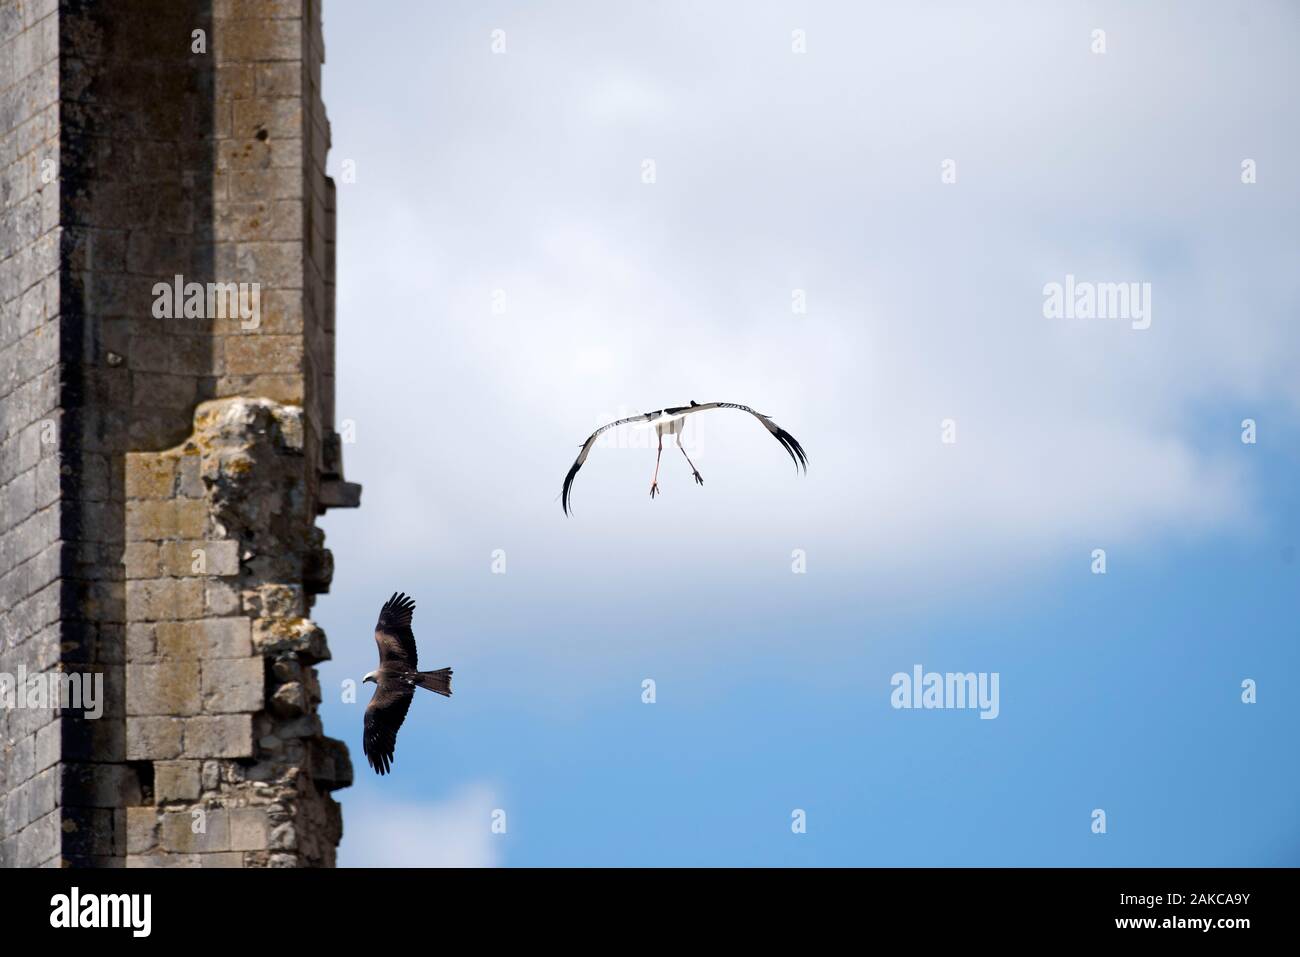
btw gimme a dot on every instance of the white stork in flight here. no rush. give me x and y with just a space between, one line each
669 422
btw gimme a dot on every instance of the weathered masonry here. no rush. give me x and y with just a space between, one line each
167 430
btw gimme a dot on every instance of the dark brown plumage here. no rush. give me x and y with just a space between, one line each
395 681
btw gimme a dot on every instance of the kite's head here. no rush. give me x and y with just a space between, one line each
372 676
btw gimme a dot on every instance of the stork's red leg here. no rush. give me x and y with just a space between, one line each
694 470
654 482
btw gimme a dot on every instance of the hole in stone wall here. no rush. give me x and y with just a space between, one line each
143 771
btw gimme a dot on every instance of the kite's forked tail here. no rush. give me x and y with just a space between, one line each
439 681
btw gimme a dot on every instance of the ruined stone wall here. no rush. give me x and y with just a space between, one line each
30 531
193 451
220 690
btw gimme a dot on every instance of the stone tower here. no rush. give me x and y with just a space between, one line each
167 430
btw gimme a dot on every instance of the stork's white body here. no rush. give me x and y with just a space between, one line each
665 424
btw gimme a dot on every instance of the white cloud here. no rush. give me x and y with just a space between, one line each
819 172
455 832
624 98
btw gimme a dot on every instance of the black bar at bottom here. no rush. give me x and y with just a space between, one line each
328 907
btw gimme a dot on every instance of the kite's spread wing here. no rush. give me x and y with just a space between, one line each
393 632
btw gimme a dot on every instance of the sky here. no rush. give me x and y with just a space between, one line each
848 217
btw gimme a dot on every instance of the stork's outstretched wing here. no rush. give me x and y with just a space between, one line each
788 441
393 632
586 447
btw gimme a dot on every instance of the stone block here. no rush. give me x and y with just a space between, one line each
141 560
255 354
140 642
222 859
191 518
197 831
234 685
150 476
226 637
162 859
279 79
275 601
148 520
160 599
164 688
178 640
176 781
43 792
49 745
222 598
220 736
218 558
271 40
153 738
141 829
206 638
249 828
190 477
272 636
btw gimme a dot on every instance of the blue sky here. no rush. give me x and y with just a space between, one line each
515 178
